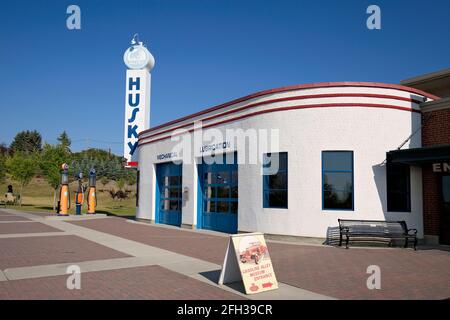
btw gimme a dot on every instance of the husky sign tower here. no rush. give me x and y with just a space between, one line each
139 62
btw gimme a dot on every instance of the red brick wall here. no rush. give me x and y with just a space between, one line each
435 131
436 127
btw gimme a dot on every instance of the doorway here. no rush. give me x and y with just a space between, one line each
445 211
169 194
219 189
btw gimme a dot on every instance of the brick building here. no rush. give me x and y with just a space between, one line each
434 156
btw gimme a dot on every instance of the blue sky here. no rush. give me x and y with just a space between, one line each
207 52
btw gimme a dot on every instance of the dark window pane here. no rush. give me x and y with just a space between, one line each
278 181
283 160
175 180
341 181
221 177
337 161
222 206
338 200
223 192
446 189
234 177
174 205
233 207
337 187
275 180
174 192
398 202
276 199
398 184
398 187
234 192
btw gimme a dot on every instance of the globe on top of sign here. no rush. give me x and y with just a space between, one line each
138 57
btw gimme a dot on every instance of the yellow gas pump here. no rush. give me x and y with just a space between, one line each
64 196
91 196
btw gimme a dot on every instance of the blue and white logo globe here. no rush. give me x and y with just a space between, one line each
137 57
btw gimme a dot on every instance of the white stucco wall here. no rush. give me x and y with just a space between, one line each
368 131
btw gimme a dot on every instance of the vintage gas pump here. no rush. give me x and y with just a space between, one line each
92 197
79 194
64 196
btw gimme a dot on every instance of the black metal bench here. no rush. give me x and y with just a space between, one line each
366 229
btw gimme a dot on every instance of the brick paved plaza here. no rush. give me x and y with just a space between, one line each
122 259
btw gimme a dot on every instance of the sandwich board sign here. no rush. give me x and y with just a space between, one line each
247 259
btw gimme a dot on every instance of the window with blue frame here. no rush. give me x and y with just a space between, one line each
220 190
337 180
275 180
398 187
170 195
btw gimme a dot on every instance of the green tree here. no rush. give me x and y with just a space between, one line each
64 140
2 168
50 161
27 141
22 168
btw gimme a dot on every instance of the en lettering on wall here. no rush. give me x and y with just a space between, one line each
247 259
441 167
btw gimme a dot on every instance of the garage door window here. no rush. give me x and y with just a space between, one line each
275 180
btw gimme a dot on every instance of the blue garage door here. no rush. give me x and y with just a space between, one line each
169 193
219 186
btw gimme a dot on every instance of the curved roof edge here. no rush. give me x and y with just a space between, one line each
294 87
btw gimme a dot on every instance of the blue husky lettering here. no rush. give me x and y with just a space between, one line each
133 115
132 131
130 100
132 147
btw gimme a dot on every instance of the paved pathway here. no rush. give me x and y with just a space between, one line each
203 273
105 247
146 282
330 271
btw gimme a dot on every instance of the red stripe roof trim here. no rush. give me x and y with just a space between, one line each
328 95
291 88
322 105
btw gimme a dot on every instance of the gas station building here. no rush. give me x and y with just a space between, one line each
348 150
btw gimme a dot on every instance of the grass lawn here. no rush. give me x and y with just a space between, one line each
38 196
